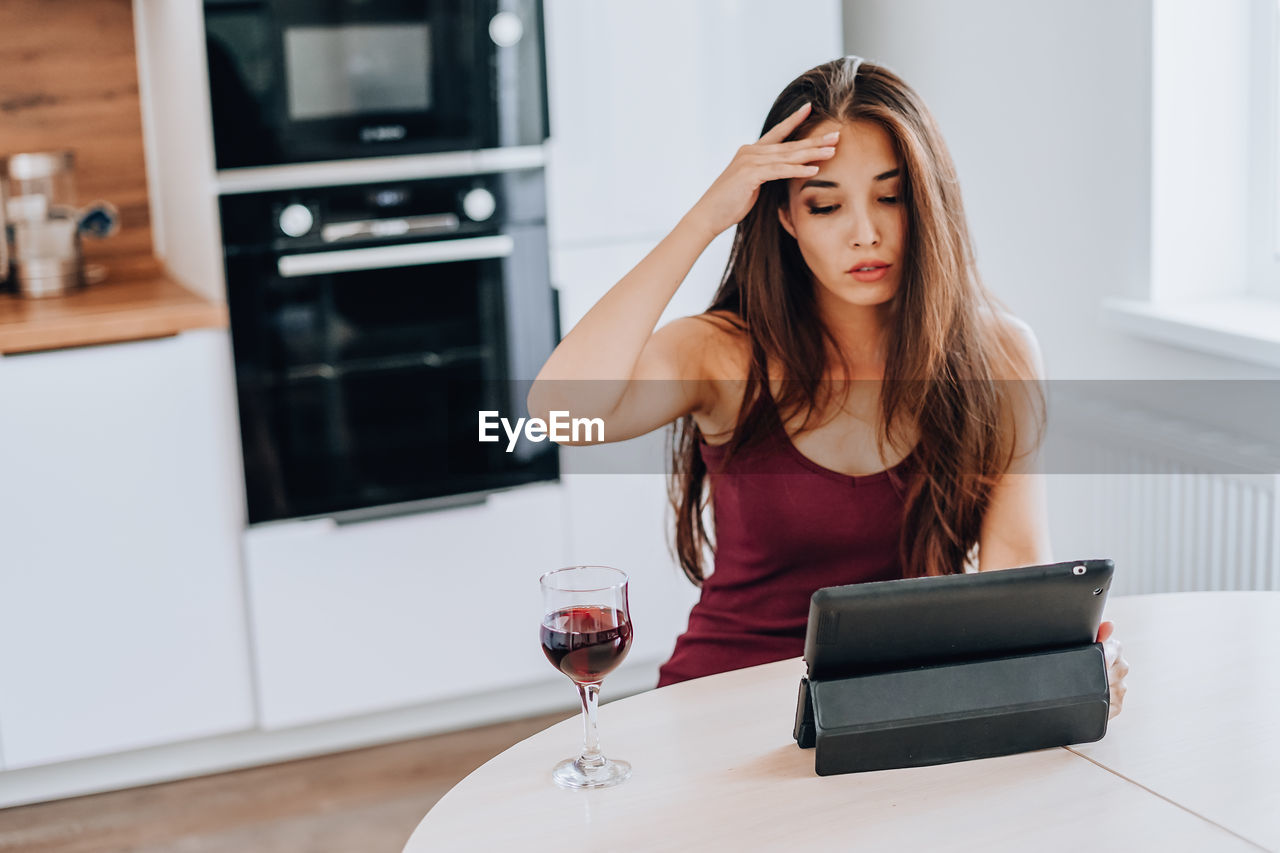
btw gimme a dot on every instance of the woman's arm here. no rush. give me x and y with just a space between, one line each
1015 529
612 365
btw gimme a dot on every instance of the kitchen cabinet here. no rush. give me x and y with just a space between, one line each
350 619
649 101
355 618
121 603
623 520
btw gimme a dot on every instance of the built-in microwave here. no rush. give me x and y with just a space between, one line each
298 81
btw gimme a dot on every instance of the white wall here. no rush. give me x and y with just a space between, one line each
1047 110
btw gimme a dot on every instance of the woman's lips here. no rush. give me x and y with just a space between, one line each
870 275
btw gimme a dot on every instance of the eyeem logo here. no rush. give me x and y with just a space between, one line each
561 427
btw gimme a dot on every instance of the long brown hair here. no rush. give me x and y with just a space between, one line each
944 341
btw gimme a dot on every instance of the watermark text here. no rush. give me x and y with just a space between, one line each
562 427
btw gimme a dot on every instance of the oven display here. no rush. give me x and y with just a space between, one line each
352 70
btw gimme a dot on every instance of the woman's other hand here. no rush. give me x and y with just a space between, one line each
1117 666
732 194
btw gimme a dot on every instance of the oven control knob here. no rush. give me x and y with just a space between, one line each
296 220
479 204
506 28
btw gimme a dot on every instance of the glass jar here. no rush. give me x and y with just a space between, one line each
40 204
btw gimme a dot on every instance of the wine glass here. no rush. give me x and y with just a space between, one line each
586 632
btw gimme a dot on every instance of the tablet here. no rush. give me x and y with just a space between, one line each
886 625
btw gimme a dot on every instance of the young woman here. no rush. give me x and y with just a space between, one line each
853 399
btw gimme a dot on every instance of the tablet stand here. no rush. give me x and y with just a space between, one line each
955 711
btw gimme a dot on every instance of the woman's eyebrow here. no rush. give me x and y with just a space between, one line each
816 182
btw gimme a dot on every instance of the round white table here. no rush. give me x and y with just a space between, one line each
1192 763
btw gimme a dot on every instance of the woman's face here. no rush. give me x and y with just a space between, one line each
850 215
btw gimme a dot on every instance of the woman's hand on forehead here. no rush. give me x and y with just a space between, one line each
780 131
733 194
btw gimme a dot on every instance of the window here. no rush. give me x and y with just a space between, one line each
1266 135
1215 181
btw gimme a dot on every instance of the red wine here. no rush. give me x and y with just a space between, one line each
586 643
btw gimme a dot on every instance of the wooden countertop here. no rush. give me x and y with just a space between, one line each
137 300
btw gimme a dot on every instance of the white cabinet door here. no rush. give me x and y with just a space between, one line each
350 619
584 275
121 603
649 101
622 520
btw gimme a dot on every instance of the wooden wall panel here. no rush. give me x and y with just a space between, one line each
69 79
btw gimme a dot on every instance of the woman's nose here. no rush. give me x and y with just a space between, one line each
863 231
863 237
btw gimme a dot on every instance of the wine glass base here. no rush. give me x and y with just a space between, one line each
570 774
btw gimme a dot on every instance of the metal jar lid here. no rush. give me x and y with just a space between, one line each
37 165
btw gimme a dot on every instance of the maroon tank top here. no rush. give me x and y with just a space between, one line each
784 527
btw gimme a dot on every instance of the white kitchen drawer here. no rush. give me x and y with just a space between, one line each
350 619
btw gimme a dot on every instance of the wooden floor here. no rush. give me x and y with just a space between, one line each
363 801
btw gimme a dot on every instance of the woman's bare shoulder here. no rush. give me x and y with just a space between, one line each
727 347
1020 372
1018 350
719 342
691 348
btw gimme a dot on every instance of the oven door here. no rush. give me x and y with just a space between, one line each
296 81
362 372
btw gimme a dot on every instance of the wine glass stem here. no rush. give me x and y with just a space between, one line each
591 756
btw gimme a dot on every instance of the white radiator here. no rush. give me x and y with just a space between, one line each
1178 507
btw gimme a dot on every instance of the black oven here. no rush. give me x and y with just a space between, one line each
295 81
371 324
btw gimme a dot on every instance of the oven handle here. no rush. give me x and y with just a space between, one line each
404 255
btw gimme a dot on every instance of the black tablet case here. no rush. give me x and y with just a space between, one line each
888 710
898 624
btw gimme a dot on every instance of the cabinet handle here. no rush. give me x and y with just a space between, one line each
405 255
378 513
